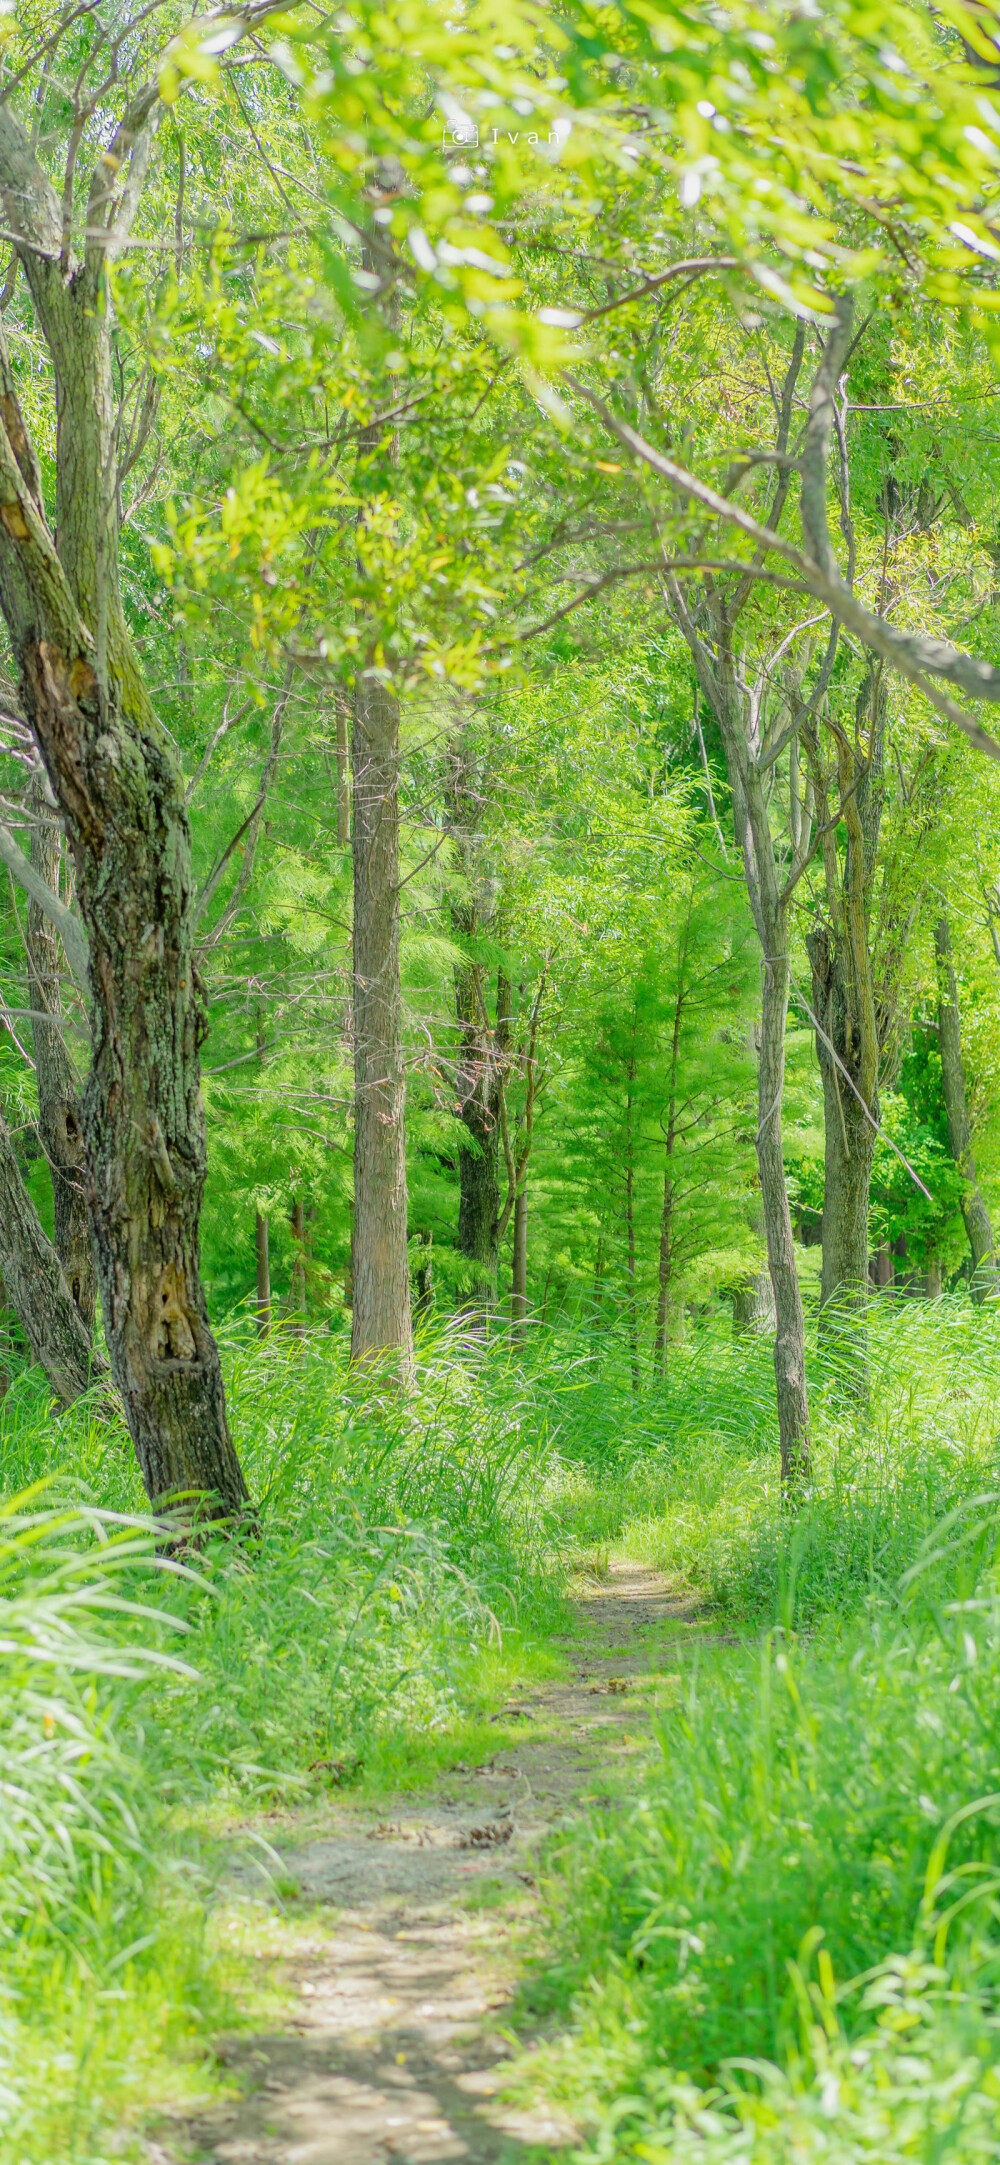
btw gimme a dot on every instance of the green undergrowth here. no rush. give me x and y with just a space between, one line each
404 1579
400 1582
783 1941
686 1475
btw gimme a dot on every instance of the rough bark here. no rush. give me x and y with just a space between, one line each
59 1116
37 1288
978 1225
380 1317
118 785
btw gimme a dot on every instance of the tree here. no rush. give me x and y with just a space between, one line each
115 778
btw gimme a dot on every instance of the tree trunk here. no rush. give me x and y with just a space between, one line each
37 1288
262 1242
118 785
633 1308
665 1267
343 773
297 1289
753 1305
381 1312
478 1089
789 1342
423 1276
59 1119
719 681
519 1260
849 1137
979 1229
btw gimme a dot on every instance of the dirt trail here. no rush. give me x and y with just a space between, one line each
407 1963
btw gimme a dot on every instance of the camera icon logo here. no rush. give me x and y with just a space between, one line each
463 137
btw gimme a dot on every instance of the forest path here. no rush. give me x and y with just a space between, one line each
405 1952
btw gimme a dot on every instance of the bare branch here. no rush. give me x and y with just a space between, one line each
71 931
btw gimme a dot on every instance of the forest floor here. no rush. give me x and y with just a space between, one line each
395 1934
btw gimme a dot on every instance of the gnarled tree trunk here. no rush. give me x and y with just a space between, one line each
118 785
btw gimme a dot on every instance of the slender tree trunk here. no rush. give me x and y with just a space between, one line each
633 1309
978 1226
119 787
753 1304
381 1311
718 677
423 1276
262 1242
666 1256
37 1288
297 1289
519 1260
665 1267
849 1137
59 1118
789 1342
343 772
478 1086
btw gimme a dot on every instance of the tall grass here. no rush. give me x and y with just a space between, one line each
397 1538
801 1787
823 1804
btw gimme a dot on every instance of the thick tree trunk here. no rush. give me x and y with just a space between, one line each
978 1226
37 1288
849 1136
381 1310
59 1118
119 787
263 1247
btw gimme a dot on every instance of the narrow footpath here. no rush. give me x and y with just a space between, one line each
411 1922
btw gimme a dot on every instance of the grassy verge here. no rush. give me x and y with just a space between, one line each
399 1587
786 1945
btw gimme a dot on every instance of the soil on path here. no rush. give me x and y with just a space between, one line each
405 1967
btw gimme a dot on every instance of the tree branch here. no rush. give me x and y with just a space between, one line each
71 931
